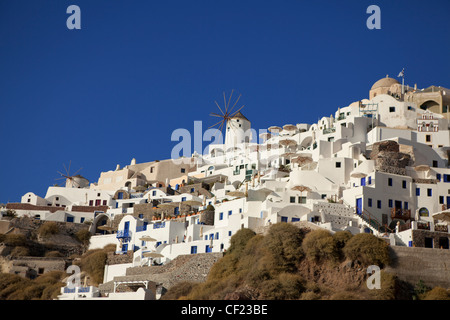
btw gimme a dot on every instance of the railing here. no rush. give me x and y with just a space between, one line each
141 228
68 290
136 195
423 225
403 214
373 222
159 225
404 227
441 227
84 289
328 130
123 234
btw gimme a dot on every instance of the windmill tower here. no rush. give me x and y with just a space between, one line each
235 124
73 181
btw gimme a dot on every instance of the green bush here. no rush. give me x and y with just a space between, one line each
367 249
319 245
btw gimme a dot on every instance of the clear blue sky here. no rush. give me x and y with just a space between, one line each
138 70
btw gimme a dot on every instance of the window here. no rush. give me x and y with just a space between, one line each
405 205
98 194
97 202
369 202
91 203
390 203
230 233
183 199
445 109
193 249
338 164
230 212
429 192
301 199
292 200
221 216
369 180
404 184
151 169
438 177
192 190
284 219
390 182
217 236
363 182
183 170
104 202
154 193
441 199
446 177
391 109
428 138
378 204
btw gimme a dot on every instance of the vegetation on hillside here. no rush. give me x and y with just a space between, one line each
292 263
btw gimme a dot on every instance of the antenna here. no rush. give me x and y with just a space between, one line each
228 114
68 176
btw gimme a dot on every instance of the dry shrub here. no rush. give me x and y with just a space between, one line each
284 243
319 245
14 240
93 262
83 236
437 293
48 229
20 252
179 291
367 249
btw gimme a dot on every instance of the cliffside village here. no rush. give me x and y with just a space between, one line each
379 165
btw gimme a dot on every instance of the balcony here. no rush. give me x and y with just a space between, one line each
123 234
402 214
328 130
423 225
441 227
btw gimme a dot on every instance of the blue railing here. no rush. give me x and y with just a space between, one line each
84 289
141 228
123 234
68 290
159 225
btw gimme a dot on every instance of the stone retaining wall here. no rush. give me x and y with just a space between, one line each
192 268
432 266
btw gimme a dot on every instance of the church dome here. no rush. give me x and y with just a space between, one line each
384 83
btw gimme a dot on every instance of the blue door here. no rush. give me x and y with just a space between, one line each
358 205
363 182
448 200
127 226
125 247
208 249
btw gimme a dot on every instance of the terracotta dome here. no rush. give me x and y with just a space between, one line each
384 83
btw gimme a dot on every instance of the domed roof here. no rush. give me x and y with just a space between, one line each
384 82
